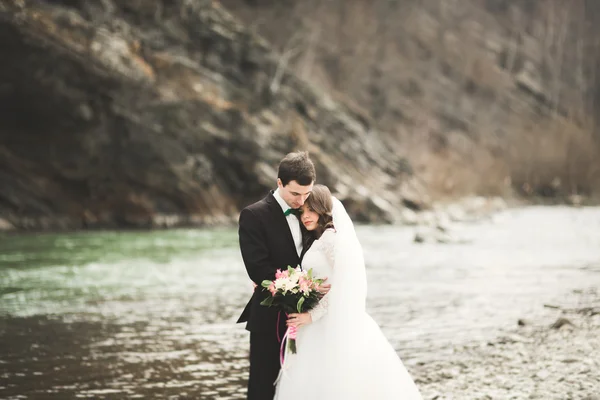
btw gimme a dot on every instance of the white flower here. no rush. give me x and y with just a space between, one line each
295 277
285 284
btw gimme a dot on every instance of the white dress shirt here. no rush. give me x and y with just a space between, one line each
292 221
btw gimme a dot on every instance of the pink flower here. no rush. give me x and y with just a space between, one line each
304 287
272 288
281 274
303 282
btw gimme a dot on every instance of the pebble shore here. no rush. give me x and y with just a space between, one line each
556 357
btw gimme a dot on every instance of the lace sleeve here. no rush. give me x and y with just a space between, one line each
327 247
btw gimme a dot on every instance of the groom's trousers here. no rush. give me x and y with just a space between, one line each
264 365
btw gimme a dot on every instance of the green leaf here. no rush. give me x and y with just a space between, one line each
267 302
300 302
290 270
309 275
265 284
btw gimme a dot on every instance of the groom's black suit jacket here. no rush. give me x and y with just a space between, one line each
267 245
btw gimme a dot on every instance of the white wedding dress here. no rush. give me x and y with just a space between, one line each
342 354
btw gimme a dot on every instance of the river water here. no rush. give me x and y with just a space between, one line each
152 314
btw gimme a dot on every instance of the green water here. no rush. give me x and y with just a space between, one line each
49 273
80 248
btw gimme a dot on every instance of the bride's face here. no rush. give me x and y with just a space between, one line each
309 218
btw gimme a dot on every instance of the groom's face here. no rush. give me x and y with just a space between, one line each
293 193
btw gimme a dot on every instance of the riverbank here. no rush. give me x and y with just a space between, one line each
556 356
116 314
438 214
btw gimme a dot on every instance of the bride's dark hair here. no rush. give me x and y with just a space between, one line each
320 202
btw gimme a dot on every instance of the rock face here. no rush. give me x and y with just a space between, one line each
481 95
120 113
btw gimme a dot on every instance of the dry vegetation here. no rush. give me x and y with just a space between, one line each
555 159
483 96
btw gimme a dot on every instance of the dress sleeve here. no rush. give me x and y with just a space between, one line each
327 242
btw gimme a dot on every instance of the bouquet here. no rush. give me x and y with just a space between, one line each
293 290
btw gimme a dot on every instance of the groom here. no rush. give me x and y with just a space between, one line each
271 239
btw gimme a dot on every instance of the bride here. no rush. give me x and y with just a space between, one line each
342 353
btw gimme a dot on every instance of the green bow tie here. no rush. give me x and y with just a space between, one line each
294 211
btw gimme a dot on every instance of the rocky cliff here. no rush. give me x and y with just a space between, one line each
483 96
118 113
121 113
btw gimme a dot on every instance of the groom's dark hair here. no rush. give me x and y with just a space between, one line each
298 167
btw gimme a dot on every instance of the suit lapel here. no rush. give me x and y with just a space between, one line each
281 223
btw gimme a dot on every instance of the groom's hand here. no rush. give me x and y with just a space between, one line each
324 288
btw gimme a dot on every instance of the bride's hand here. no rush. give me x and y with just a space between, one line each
299 320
